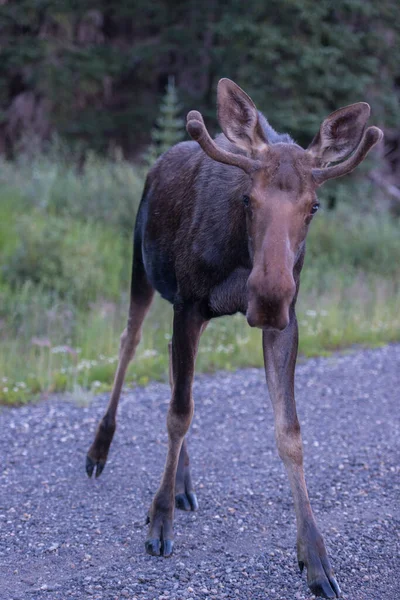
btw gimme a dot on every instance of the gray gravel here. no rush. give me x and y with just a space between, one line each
65 536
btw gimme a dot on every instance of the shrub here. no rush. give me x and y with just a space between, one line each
106 191
69 259
351 241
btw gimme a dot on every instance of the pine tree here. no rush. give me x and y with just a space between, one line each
169 129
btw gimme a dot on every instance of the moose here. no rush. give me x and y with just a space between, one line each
221 229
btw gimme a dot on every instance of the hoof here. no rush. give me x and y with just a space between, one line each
160 535
325 588
311 553
96 457
92 465
157 547
153 547
186 501
167 547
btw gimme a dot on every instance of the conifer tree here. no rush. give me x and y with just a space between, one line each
169 128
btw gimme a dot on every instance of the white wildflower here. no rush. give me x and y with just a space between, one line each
149 353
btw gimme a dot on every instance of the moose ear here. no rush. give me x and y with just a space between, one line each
340 133
238 117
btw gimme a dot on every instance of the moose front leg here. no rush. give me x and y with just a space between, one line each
187 329
280 352
185 497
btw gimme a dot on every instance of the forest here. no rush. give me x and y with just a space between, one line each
95 71
92 92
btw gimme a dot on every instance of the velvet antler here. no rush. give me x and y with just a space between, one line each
197 130
371 136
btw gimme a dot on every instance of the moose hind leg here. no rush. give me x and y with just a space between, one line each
141 298
186 335
185 497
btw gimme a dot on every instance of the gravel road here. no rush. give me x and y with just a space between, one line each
64 536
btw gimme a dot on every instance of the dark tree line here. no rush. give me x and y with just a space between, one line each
94 71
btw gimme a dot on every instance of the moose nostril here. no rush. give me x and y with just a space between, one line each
251 319
269 310
282 320
270 320
251 286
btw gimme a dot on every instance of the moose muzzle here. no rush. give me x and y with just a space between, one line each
268 302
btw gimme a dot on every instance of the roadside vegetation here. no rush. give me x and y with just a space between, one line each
65 252
81 88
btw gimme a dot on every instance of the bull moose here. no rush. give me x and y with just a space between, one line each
221 229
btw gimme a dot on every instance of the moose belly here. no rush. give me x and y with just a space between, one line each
160 271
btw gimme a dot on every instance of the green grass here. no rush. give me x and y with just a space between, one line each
365 313
65 251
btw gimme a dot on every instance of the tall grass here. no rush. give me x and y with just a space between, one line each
65 251
103 190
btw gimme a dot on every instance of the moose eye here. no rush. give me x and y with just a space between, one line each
246 200
314 208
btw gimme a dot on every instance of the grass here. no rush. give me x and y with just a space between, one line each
65 262
365 313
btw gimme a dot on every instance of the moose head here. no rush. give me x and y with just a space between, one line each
281 198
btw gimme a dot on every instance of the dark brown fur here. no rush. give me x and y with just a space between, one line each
221 229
